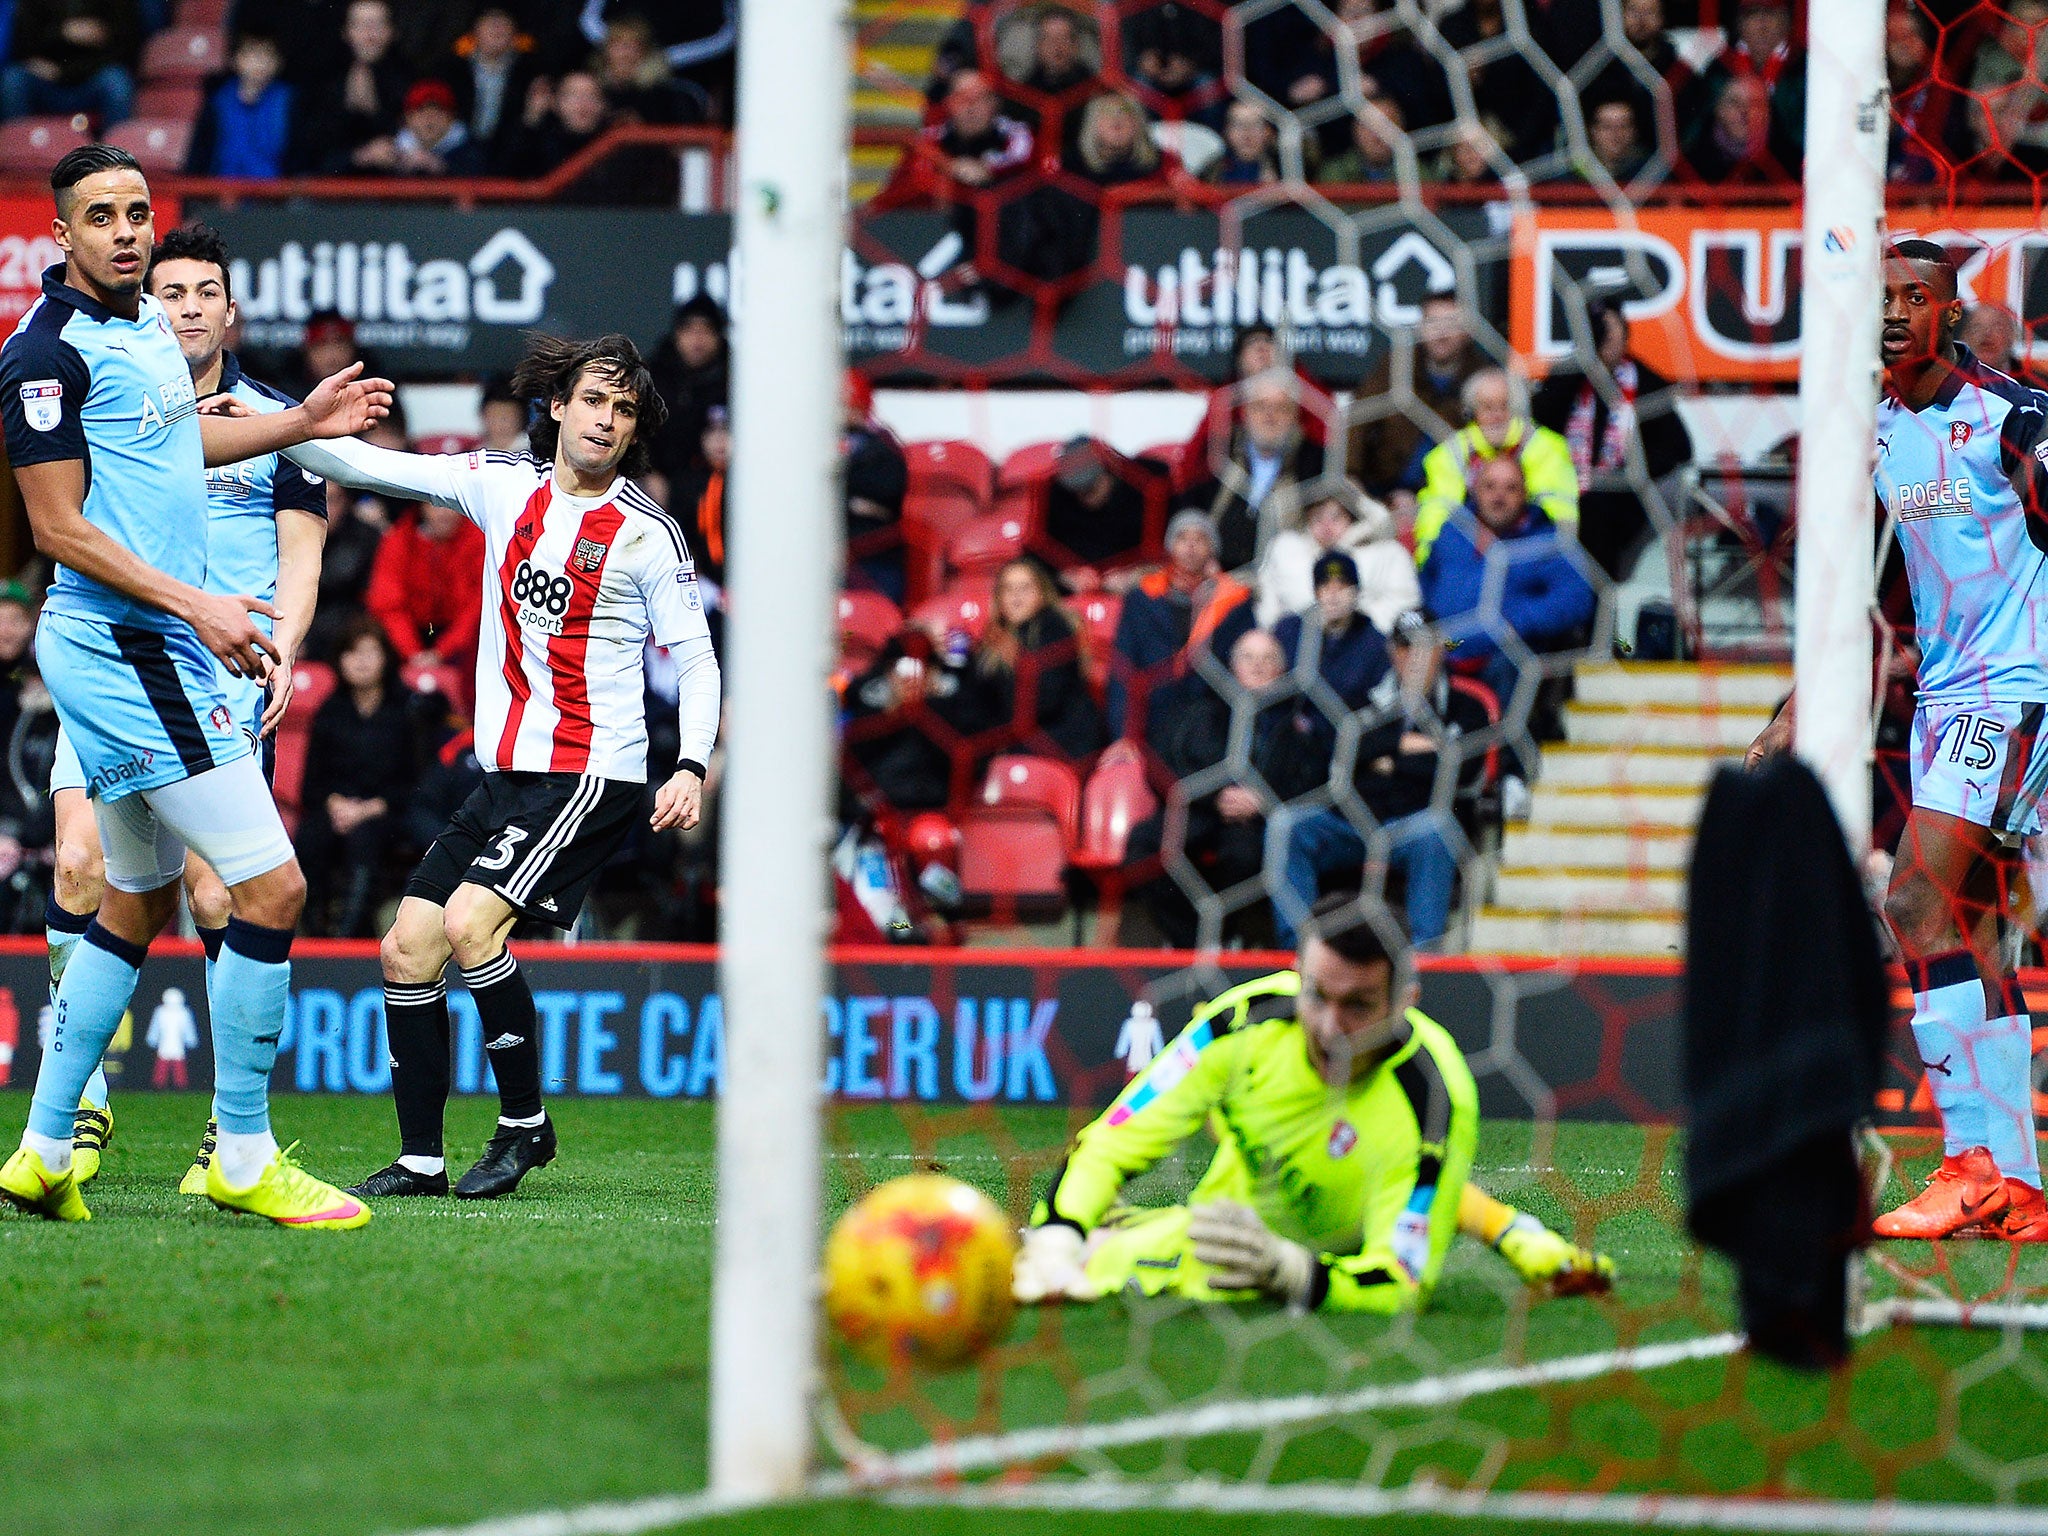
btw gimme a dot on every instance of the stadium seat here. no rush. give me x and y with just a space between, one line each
1013 862
866 622
1099 613
1018 501
35 143
963 606
437 677
202 13
184 53
178 100
1028 465
1471 687
930 518
159 143
313 682
956 466
1016 781
1117 798
984 546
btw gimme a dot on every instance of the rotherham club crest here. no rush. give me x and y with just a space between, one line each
1958 433
1342 1138
220 717
588 554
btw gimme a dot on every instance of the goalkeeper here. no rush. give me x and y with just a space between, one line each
1345 1125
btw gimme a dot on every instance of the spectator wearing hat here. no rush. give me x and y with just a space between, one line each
245 125
1416 718
1098 509
692 370
344 109
1503 582
1359 527
326 346
1350 654
431 139
1188 603
1496 412
877 478
1600 419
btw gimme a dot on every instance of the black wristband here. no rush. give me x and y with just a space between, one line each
693 765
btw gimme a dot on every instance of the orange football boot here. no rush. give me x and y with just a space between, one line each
2026 1215
1965 1190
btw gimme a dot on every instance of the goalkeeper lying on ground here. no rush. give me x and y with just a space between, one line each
1345 1127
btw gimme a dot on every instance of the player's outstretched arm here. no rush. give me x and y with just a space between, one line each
361 466
301 541
53 494
340 405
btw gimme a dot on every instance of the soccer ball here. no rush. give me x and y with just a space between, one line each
918 1273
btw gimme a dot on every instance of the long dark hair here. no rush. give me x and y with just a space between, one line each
550 369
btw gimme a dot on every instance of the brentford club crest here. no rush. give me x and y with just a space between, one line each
1958 433
588 555
1342 1138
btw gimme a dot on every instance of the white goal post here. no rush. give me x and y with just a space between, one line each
790 228
1848 123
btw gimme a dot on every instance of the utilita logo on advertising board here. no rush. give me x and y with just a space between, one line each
395 299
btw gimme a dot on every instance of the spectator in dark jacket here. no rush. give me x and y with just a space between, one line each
491 72
359 771
637 80
1544 601
1417 716
1254 352
692 369
911 723
426 588
1350 653
972 147
1099 507
245 126
358 103
431 138
69 56
1273 475
1384 453
877 479
1644 408
1187 603
1929 126
559 127
1250 155
1224 831
1028 667
1754 125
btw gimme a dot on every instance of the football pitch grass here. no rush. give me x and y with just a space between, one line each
169 1368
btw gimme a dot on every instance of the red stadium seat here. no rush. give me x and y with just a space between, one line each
36 143
178 100
1471 687
202 13
1018 782
159 143
312 684
963 606
1028 465
985 545
185 53
866 621
1010 860
1117 798
930 518
438 677
1018 501
956 466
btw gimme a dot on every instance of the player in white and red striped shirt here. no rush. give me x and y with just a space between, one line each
582 568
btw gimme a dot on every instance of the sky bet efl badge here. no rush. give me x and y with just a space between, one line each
42 402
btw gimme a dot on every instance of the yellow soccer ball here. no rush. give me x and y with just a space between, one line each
918 1273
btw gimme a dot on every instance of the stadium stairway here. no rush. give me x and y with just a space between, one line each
1599 867
893 45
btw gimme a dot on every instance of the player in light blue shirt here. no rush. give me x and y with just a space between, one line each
266 525
109 452
1962 471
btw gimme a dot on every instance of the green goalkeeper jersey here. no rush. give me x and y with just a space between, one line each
1369 1177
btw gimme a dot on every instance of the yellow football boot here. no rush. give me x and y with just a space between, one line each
27 1182
194 1182
288 1195
92 1132
1543 1257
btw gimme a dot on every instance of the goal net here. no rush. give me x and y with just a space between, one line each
1357 445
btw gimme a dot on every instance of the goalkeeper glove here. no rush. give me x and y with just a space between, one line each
1242 1254
1050 1266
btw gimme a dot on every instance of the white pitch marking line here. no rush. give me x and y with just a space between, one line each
1240 1416
1634 1511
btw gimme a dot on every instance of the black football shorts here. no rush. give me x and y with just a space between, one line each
536 839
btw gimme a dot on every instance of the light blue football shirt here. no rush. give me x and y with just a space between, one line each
79 382
1967 480
243 501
